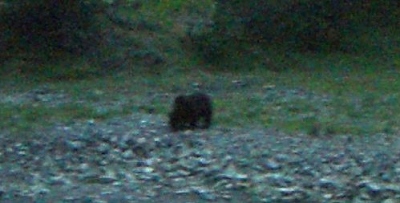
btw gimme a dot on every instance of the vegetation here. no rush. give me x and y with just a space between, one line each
262 70
318 26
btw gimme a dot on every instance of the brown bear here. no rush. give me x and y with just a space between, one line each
191 111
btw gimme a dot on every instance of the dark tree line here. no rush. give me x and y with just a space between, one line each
297 25
47 26
43 30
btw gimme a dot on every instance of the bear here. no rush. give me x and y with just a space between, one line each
191 112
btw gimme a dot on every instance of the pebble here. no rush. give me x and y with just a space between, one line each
143 165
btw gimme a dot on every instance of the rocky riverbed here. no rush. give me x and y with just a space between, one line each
137 159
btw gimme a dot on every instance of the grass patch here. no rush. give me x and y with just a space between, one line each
343 95
23 118
319 97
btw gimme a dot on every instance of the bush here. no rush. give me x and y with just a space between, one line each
51 38
47 26
317 26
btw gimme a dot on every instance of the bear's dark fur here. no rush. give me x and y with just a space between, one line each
190 112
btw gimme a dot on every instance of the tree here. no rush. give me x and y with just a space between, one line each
47 26
301 24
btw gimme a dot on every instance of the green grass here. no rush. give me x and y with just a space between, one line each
318 97
361 96
343 94
26 117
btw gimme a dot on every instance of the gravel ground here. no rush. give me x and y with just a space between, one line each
137 159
